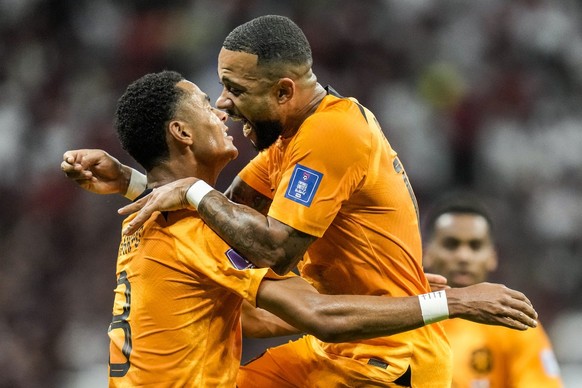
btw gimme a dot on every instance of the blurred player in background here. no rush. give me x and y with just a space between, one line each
460 246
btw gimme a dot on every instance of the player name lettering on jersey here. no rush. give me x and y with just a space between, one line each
130 242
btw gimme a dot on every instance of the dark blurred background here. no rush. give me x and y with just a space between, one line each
481 95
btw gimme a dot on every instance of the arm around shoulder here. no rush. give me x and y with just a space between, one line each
263 240
340 318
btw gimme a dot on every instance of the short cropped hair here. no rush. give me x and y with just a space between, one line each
142 114
456 203
273 38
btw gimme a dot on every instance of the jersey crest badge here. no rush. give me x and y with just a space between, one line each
482 360
237 260
303 185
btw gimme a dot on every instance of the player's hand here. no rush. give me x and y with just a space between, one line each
171 196
437 282
492 304
96 171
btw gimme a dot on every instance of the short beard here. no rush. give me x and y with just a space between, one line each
267 133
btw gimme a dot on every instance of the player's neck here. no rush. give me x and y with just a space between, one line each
168 172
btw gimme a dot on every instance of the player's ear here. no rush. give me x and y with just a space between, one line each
179 132
285 89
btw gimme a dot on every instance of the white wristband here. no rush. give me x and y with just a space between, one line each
137 185
434 306
196 192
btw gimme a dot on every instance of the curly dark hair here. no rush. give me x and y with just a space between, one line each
143 111
273 39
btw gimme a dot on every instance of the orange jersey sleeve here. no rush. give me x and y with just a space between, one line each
176 314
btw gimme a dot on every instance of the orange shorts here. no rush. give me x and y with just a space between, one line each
297 364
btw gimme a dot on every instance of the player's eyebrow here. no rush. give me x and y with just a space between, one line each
205 99
227 81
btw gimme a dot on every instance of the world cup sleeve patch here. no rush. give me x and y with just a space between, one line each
303 185
238 261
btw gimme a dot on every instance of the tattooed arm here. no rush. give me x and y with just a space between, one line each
263 240
240 192
246 227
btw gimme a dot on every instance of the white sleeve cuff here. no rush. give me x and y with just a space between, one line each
137 185
196 192
434 306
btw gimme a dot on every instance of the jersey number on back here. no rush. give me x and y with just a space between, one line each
119 329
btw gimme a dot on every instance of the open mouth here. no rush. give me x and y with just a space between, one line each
247 127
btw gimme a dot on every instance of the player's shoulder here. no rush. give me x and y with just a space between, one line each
342 118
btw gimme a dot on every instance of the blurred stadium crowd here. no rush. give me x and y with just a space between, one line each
484 95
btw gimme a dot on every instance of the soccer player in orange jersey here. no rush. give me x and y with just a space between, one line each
327 192
460 246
